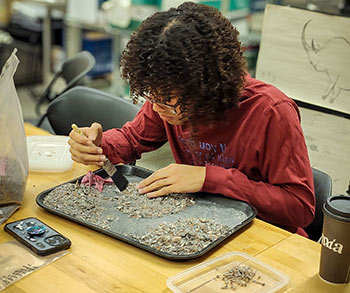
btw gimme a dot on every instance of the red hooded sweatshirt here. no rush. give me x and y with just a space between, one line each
257 155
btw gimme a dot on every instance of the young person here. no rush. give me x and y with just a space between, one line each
229 133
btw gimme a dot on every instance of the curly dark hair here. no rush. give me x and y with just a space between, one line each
190 52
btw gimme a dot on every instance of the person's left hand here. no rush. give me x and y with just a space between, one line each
175 178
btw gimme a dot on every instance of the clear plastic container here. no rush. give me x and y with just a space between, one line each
209 276
49 153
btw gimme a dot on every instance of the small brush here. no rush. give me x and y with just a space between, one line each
108 166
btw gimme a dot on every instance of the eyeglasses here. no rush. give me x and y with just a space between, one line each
171 108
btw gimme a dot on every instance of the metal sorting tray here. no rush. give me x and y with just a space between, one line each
223 210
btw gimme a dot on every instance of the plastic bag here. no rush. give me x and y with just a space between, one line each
13 146
17 261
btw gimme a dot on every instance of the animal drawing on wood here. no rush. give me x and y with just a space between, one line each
318 56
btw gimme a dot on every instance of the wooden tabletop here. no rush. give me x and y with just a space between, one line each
99 263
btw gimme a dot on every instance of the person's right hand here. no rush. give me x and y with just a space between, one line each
86 149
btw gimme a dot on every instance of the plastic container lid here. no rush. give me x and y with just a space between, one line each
208 276
338 207
49 153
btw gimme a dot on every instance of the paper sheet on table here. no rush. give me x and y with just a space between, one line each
314 69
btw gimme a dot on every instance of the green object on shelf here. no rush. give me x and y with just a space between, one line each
238 4
133 25
227 5
144 2
215 3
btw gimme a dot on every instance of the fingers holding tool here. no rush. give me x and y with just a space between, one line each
84 145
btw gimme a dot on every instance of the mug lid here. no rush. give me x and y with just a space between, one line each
338 207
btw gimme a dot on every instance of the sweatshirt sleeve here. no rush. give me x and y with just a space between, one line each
144 133
285 196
